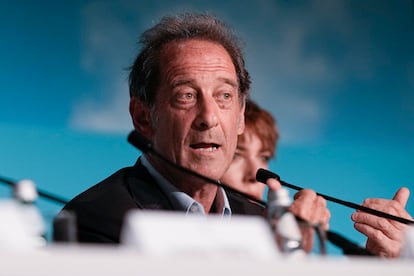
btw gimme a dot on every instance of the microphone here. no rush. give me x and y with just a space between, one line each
263 175
142 143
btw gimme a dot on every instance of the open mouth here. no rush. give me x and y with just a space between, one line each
205 146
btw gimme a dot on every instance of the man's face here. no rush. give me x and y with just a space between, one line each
198 113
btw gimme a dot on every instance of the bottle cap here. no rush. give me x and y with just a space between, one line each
281 196
25 191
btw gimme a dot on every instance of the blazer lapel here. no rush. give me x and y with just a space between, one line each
145 190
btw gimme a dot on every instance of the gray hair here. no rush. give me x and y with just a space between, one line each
144 76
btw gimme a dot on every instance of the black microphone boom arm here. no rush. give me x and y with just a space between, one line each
263 175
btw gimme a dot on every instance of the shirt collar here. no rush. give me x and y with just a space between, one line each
183 202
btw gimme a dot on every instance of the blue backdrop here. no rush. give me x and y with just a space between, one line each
337 75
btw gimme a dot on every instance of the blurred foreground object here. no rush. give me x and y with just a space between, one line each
285 228
21 224
65 227
408 248
174 234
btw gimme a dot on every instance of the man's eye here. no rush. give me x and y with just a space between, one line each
224 99
225 96
185 97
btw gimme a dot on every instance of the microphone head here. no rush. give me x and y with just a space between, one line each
139 141
263 175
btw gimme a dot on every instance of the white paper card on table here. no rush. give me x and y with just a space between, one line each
21 226
174 233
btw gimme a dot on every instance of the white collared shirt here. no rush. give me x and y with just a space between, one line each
180 200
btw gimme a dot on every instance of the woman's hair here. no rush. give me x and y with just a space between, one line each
261 123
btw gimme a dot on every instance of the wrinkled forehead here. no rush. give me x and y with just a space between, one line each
194 50
181 56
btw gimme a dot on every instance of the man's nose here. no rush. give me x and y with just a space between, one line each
206 115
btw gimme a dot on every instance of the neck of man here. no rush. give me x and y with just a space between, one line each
201 191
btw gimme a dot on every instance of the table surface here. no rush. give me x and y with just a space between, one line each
112 260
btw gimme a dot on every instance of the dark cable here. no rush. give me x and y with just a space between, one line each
40 192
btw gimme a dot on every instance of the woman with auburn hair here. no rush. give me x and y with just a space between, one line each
256 146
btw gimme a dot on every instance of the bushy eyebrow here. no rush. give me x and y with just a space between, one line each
230 82
181 82
189 81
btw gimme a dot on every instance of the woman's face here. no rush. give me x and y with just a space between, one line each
249 157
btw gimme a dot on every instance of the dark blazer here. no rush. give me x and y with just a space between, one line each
100 209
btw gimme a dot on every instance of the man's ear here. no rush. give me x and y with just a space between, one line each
141 117
241 123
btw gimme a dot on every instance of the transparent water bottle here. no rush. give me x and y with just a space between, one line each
284 225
